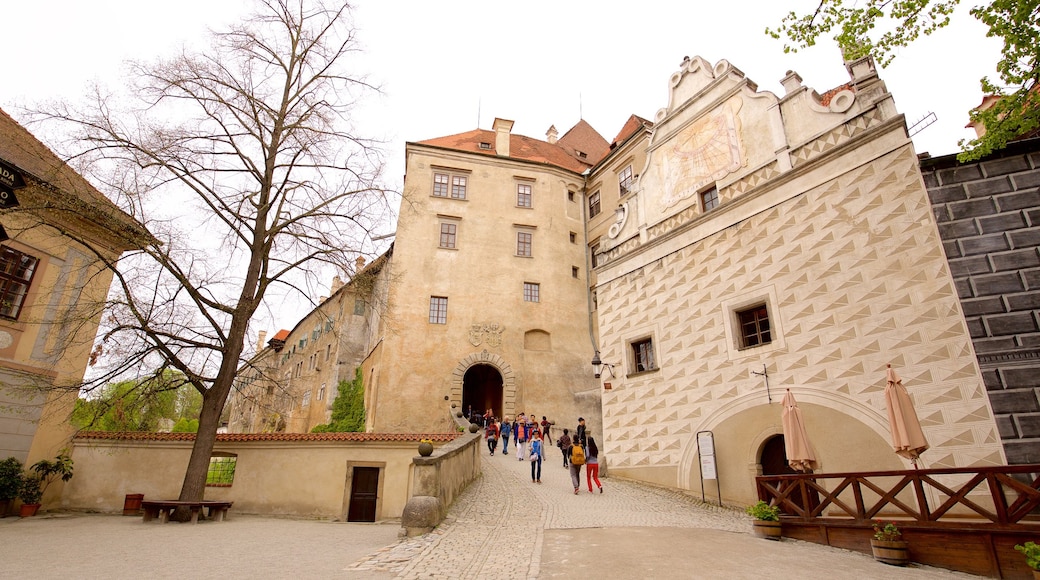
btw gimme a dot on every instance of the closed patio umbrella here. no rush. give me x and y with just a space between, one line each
800 454
907 437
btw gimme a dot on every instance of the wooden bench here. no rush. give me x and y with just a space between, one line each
163 509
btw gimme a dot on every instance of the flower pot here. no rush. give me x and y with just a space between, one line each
892 552
426 449
28 510
767 530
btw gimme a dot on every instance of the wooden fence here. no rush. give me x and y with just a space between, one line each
962 519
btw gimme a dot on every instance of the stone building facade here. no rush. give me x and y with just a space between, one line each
989 219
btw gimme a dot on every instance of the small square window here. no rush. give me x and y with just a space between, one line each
531 292
485 145
710 199
643 355
754 326
523 244
438 310
221 472
523 195
594 208
448 235
570 196
574 238
574 271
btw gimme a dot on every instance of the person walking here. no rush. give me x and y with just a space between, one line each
505 430
536 458
592 465
546 438
491 434
521 439
564 443
579 433
577 458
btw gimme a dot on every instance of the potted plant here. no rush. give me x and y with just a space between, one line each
42 474
30 492
10 483
767 520
426 447
888 545
1032 553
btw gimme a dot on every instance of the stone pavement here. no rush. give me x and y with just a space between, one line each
502 526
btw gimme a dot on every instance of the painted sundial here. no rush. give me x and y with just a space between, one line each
706 151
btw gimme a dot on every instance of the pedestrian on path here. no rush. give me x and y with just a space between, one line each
546 437
592 465
536 458
491 434
564 443
577 458
521 439
505 431
579 433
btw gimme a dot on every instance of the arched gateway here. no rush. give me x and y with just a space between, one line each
485 381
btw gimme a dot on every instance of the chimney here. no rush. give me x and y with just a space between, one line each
551 135
337 283
502 128
262 335
360 262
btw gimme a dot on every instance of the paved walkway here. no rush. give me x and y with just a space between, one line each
502 526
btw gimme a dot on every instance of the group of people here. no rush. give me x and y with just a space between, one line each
530 438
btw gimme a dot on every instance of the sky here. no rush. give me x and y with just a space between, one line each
451 66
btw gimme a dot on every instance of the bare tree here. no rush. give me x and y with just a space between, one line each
243 163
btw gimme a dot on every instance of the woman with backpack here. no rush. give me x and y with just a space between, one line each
576 455
592 465
536 458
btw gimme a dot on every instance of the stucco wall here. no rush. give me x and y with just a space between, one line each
292 478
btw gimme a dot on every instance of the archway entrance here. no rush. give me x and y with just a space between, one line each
482 388
774 462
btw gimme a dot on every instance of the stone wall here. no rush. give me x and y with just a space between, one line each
988 215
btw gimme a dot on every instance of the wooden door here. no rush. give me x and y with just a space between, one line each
364 490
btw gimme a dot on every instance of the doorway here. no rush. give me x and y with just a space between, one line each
364 494
774 462
482 388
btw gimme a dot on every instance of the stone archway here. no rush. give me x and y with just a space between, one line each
482 389
506 394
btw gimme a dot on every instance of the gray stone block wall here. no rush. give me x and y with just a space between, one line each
989 219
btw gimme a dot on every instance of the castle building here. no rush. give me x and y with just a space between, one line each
738 246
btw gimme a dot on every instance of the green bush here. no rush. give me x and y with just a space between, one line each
764 512
10 478
348 410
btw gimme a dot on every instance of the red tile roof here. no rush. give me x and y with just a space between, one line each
632 125
245 437
582 137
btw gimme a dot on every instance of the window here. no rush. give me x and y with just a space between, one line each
306 400
754 326
328 352
303 343
625 180
574 238
221 471
359 306
321 392
570 195
16 273
710 199
485 145
574 271
523 244
523 195
443 183
531 292
448 235
643 355
438 310
594 205
328 326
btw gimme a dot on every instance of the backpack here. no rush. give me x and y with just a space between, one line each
577 455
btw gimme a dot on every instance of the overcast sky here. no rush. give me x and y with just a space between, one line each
453 65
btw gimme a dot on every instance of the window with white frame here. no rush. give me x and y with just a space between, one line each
449 185
524 243
594 208
448 231
710 199
531 292
523 195
643 355
438 310
625 180
754 326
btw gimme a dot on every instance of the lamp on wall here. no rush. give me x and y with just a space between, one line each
598 366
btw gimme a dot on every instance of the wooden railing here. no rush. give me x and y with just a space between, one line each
985 510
